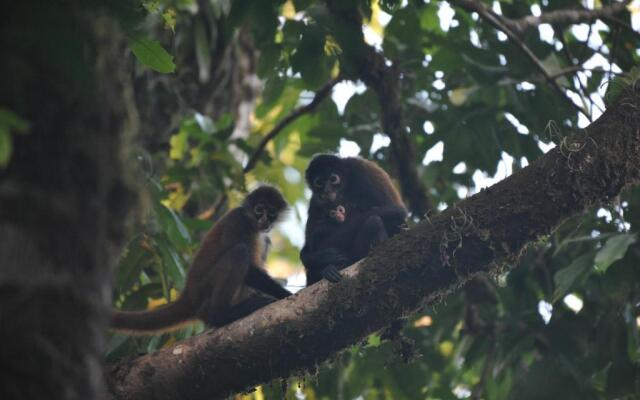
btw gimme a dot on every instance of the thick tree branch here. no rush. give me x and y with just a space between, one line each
483 233
371 67
501 23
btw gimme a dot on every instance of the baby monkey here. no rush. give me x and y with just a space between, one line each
338 214
226 280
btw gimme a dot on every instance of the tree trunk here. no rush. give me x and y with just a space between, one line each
63 200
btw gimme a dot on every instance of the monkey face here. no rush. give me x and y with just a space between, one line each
265 205
328 187
326 177
265 216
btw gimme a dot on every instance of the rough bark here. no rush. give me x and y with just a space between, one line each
63 201
484 233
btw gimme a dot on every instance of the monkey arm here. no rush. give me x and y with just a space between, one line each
258 279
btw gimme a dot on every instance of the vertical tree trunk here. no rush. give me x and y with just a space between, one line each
62 197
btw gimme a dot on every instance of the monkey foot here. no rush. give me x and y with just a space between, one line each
331 274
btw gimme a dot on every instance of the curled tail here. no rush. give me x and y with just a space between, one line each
161 319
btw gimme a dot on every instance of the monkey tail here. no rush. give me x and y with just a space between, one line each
165 318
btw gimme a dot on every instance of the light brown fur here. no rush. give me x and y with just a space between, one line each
215 281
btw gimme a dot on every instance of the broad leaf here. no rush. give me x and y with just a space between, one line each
613 250
150 53
576 273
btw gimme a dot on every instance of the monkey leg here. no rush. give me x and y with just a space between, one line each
369 235
225 280
254 302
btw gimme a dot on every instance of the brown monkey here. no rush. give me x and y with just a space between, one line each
372 210
225 269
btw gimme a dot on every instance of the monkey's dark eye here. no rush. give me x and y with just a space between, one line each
334 179
317 182
258 209
272 213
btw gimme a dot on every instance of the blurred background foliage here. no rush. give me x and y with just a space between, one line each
213 77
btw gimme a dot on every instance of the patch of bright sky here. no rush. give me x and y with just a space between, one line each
545 310
428 127
372 38
574 302
348 148
461 391
292 225
546 33
445 14
379 141
482 180
296 282
515 122
343 91
434 154
460 168
498 10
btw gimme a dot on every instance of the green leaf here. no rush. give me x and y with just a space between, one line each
309 58
150 53
13 122
613 250
599 379
5 147
172 262
576 273
178 145
172 225
131 264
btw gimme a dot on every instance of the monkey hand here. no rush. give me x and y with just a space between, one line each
331 273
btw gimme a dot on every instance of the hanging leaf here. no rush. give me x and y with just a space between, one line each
613 250
150 53
576 273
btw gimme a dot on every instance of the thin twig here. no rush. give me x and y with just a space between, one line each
499 23
292 116
567 16
621 23
295 114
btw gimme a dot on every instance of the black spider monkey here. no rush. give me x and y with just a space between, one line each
226 280
354 206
